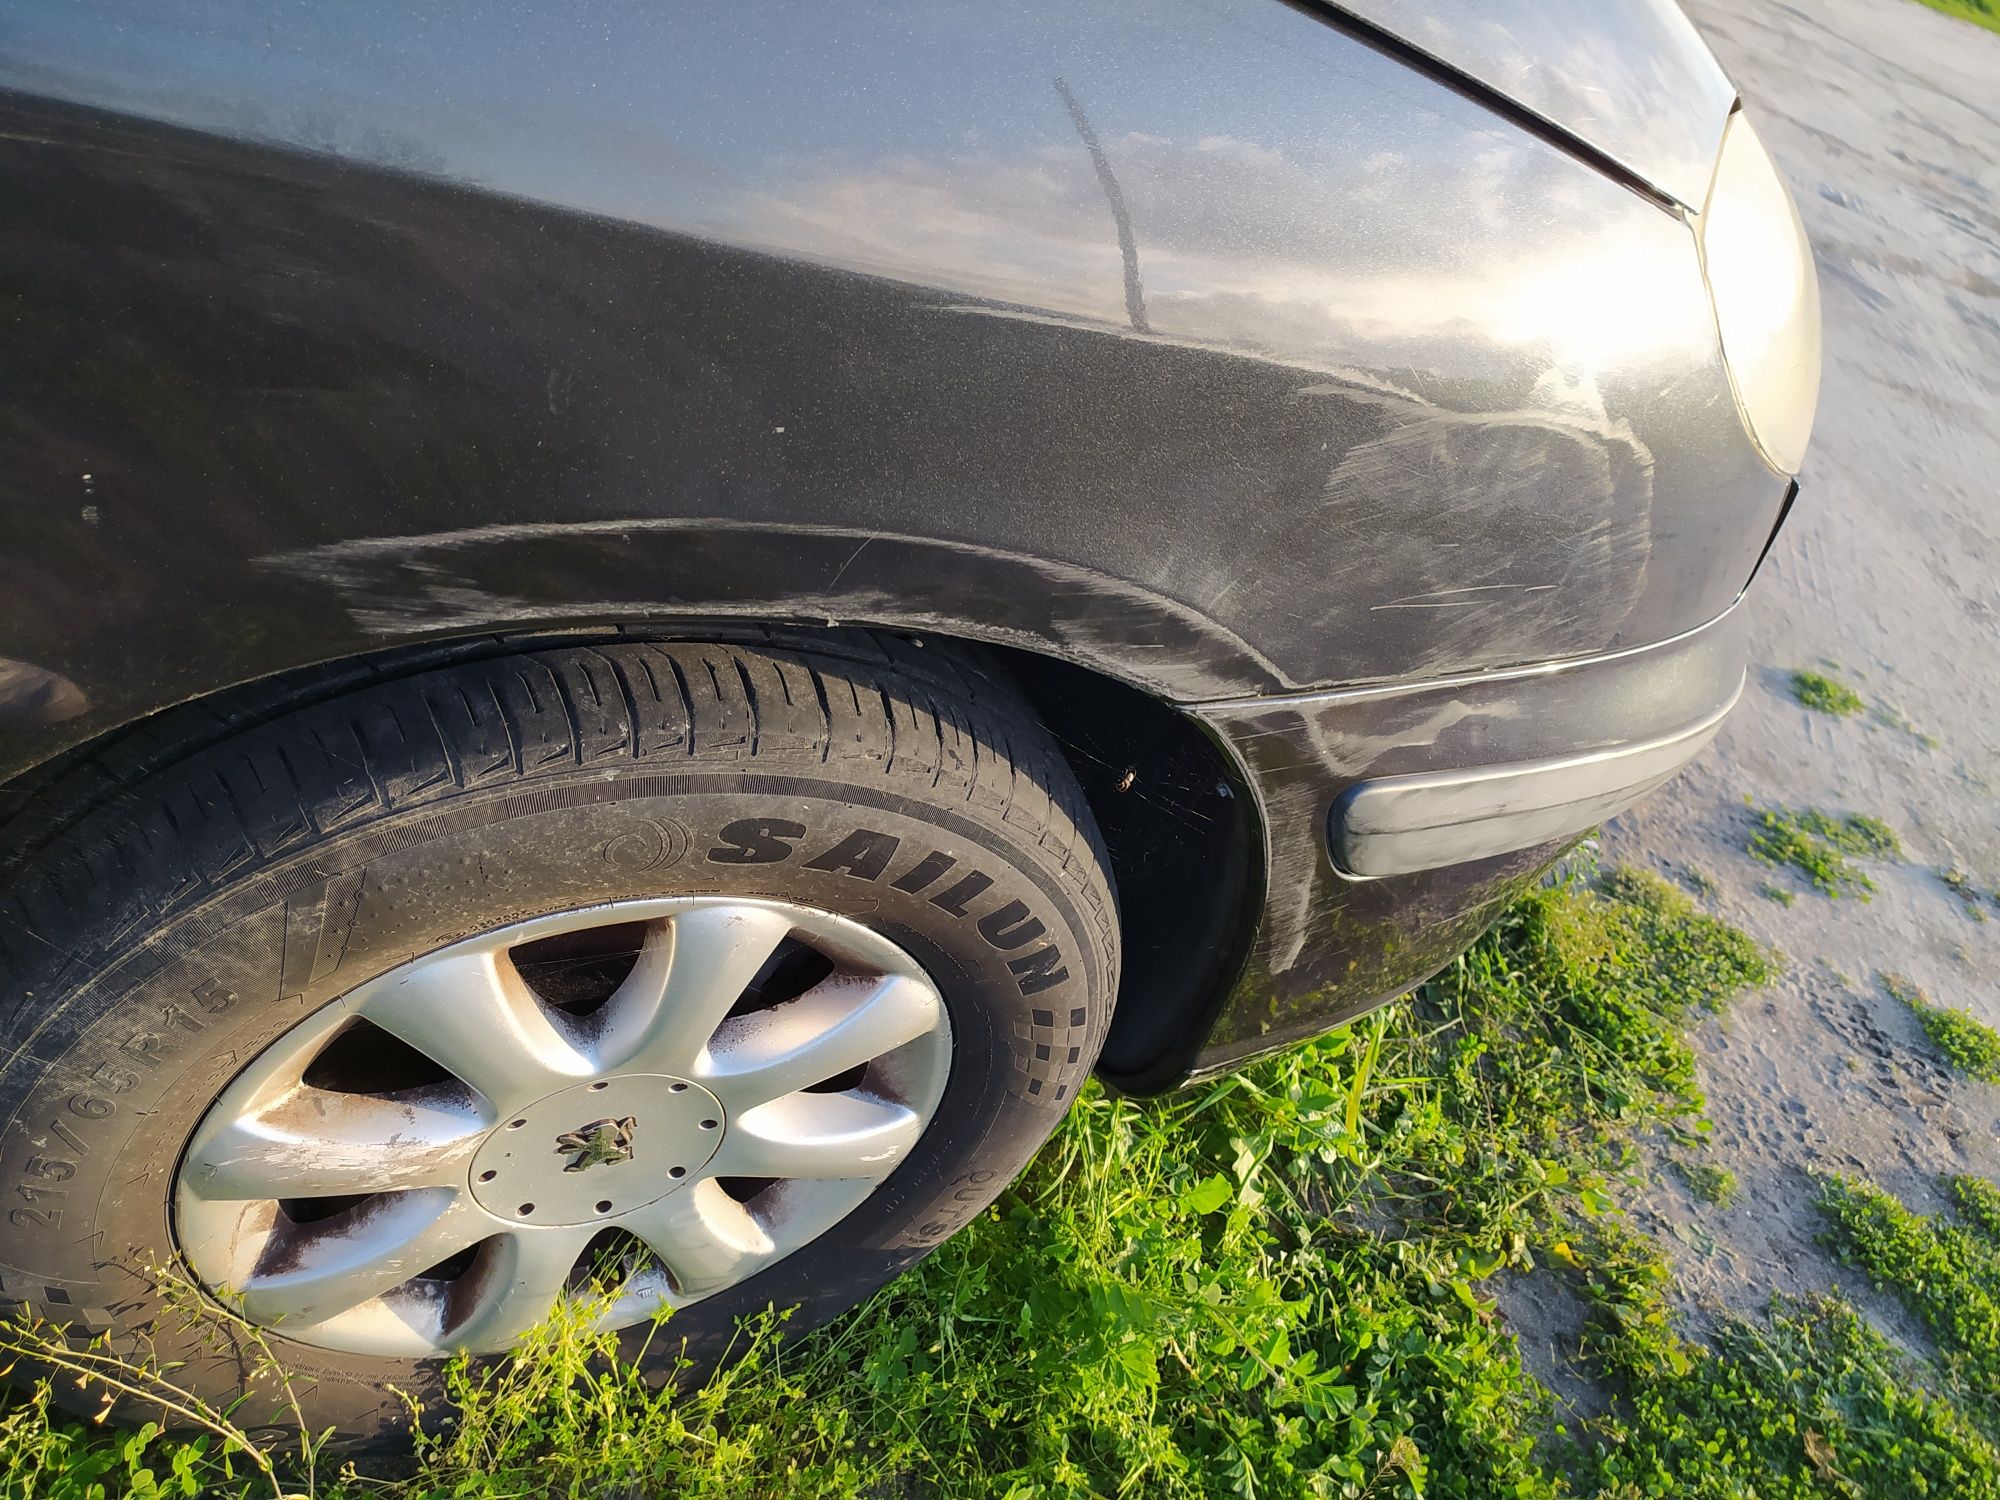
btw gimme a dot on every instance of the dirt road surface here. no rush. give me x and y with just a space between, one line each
1885 117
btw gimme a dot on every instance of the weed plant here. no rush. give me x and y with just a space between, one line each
1284 1283
1828 695
1823 848
1965 1041
1947 1273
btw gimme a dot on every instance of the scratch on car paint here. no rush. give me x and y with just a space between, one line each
393 584
841 572
1294 913
1577 477
1356 752
1574 405
1437 599
1325 371
1222 593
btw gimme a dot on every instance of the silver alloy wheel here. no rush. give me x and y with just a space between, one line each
752 1072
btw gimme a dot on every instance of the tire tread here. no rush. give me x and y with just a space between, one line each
930 719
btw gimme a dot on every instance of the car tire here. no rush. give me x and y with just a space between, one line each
894 805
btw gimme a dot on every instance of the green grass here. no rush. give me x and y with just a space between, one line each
1947 1273
1823 848
1967 1042
1708 1182
1979 1202
1280 1284
1828 695
1809 1404
1979 12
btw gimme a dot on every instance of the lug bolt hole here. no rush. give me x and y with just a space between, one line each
600 1086
710 1124
515 1124
679 1088
677 1171
526 1209
488 1175
604 1205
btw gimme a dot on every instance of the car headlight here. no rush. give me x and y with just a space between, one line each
1760 273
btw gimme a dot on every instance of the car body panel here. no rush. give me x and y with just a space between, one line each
1628 77
714 292
1329 947
1213 347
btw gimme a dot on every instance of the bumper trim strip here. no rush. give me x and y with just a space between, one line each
1399 825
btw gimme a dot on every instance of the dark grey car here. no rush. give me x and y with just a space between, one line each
637 636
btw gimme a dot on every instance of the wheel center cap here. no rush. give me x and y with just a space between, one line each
597 1150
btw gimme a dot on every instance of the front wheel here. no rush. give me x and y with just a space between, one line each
717 977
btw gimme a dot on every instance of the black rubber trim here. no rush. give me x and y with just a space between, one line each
1442 73
1785 510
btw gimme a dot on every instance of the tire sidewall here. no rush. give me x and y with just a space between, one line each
109 1082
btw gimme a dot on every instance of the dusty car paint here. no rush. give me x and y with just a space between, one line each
1212 347
1329 947
1631 78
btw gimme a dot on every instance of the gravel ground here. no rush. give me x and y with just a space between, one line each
1886 118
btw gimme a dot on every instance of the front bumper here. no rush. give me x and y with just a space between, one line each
1401 819
1399 825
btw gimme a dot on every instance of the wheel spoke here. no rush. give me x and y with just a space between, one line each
518 1279
316 1144
818 1135
837 1025
470 1011
662 1016
326 1268
706 1239
387 1210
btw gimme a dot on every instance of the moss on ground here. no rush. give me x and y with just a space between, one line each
1709 1182
1824 848
1828 695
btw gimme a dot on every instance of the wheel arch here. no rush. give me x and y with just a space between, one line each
1176 812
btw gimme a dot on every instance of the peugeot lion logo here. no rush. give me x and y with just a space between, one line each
608 1141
